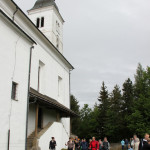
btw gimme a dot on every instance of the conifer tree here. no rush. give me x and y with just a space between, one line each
103 109
75 121
127 96
113 123
127 107
140 117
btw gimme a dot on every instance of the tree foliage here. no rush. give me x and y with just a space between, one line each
120 113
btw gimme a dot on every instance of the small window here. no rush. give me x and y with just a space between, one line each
42 22
57 26
59 86
57 42
38 22
41 76
14 91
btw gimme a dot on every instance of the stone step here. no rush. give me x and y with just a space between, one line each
30 140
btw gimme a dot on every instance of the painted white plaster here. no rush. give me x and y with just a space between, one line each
57 131
54 66
14 60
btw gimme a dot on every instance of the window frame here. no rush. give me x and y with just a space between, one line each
42 22
38 22
14 90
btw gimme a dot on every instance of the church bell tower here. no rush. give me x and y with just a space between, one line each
47 18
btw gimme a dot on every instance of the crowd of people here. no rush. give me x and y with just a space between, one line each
77 144
93 144
136 144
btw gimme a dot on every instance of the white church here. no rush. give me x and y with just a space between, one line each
35 77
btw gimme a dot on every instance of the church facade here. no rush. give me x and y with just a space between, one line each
35 84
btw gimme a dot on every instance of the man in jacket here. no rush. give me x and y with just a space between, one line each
143 141
52 144
106 145
84 145
94 145
126 143
77 143
147 146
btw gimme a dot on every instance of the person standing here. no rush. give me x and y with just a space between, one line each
147 146
143 141
122 144
70 144
132 142
52 144
90 140
94 145
100 144
136 142
106 145
126 143
84 145
77 143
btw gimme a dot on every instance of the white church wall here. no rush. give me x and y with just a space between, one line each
48 28
57 131
66 123
31 119
53 24
53 70
54 64
14 59
58 31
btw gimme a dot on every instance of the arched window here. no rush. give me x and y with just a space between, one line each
42 22
38 22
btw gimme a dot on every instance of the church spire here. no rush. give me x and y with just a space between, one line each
44 3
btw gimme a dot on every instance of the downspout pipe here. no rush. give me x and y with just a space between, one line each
28 96
8 139
70 87
70 96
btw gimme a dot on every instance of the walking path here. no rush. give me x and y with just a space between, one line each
115 146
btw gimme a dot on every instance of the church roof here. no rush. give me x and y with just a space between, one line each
51 103
13 24
44 3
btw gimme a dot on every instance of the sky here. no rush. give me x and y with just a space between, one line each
104 40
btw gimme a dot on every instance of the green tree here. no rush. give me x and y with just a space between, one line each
114 120
103 109
127 107
140 117
75 121
84 128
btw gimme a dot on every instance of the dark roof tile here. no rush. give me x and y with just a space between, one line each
44 3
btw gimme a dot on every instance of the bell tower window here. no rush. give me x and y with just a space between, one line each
38 22
42 22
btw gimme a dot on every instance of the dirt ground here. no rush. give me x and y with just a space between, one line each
115 146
